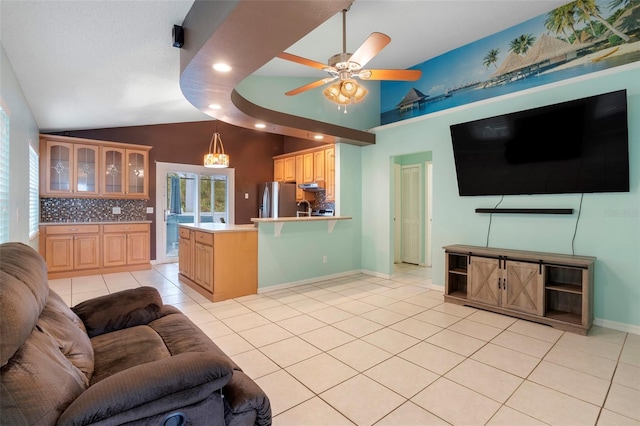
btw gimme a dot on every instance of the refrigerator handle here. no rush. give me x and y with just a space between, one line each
265 202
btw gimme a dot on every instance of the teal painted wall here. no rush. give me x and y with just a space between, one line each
296 255
269 92
609 225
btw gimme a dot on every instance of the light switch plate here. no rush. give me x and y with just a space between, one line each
246 195
150 210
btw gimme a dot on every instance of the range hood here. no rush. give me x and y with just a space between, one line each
311 187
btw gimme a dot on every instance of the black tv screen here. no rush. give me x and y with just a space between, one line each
572 147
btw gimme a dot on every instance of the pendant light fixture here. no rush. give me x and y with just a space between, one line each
216 159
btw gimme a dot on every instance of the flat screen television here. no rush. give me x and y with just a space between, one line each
572 147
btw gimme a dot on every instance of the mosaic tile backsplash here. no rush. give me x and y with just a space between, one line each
321 202
90 210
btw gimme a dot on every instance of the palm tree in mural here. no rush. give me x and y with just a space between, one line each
614 4
561 18
491 58
520 45
588 9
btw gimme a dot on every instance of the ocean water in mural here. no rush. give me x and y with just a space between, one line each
540 51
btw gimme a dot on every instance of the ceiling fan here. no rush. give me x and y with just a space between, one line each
346 67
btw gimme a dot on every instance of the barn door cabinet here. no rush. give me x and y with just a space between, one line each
553 289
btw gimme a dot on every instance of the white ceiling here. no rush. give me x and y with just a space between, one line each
110 63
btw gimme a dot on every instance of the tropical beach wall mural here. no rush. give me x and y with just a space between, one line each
578 38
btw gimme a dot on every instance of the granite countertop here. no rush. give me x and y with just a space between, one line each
219 227
94 223
298 219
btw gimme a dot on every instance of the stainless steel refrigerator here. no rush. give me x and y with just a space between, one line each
278 199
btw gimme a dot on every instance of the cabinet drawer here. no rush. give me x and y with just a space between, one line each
72 229
126 227
185 233
204 238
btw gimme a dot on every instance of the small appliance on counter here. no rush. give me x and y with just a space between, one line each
278 199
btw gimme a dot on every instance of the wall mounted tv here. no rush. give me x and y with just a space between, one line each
572 147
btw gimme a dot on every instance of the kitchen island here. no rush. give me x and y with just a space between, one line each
220 261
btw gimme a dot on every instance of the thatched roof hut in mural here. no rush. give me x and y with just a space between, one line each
545 52
413 97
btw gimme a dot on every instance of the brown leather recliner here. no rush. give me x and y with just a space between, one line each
124 358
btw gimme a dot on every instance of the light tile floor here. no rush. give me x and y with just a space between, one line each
366 350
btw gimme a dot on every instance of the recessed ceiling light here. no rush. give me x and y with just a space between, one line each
214 106
318 137
222 67
260 125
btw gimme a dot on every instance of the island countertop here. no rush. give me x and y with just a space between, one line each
213 228
297 219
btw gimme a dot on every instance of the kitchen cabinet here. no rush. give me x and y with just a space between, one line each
311 165
126 173
290 169
307 168
299 177
330 174
203 258
74 247
126 244
69 169
74 167
85 249
185 252
278 170
549 288
319 166
220 264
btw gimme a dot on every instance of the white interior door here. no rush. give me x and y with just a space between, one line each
411 202
397 219
428 166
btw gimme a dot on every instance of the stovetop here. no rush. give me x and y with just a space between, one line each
322 212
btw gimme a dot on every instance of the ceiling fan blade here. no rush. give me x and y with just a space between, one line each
310 86
406 75
370 48
303 61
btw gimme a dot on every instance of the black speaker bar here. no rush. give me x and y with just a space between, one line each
526 211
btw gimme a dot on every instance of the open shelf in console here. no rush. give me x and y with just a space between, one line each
457 274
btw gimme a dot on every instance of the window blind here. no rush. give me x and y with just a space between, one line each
34 197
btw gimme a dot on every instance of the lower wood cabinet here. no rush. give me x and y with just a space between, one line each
74 250
553 289
219 265
75 247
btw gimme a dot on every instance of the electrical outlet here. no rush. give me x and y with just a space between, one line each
115 210
324 259
149 210
246 195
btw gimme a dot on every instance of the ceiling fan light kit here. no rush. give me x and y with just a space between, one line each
346 67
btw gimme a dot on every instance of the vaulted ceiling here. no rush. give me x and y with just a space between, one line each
109 63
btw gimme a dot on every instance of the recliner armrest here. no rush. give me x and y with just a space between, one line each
150 389
123 309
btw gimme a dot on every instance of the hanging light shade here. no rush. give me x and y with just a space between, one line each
345 92
217 158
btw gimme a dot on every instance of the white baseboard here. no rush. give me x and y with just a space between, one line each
307 281
377 274
628 328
